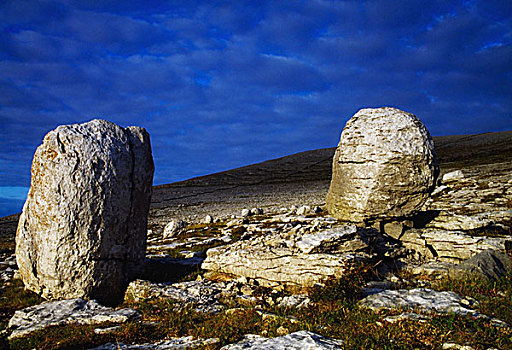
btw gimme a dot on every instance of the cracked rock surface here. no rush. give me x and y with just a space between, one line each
83 227
53 313
275 259
384 167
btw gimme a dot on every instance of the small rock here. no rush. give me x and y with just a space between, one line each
303 210
256 211
208 219
393 229
440 189
407 316
454 346
246 213
453 176
317 210
174 228
489 264
297 301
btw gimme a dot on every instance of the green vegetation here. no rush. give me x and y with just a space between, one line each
334 313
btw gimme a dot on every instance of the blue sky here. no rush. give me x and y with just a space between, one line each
224 84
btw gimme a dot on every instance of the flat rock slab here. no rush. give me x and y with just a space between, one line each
450 246
56 313
423 299
297 340
274 260
171 344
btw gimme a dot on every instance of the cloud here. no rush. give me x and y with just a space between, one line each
219 86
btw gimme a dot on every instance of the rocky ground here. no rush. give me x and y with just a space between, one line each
250 250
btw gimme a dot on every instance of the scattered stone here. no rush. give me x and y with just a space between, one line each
453 176
170 344
246 213
450 246
421 299
54 313
256 211
106 330
394 229
82 232
205 295
440 189
384 167
303 210
297 340
454 346
488 264
407 316
297 301
174 228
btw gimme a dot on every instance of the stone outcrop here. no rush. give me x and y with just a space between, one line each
83 228
450 246
297 340
421 299
61 312
384 167
275 260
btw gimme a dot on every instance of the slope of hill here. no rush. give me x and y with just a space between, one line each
301 178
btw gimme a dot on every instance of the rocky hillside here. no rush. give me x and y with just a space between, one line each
250 259
300 178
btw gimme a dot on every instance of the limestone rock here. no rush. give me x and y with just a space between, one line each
453 176
488 264
384 166
297 340
182 343
54 313
174 228
82 232
423 299
450 246
205 295
274 260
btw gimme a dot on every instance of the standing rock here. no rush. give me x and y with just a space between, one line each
82 232
384 167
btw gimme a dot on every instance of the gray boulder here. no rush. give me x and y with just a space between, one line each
489 264
384 167
82 232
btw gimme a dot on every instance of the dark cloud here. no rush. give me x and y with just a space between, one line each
220 85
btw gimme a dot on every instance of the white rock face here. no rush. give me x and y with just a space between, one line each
421 299
384 167
297 340
274 260
82 232
453 176
54 313
174 228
